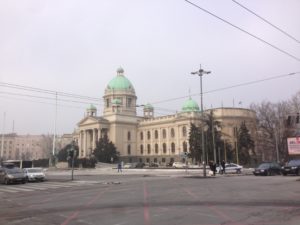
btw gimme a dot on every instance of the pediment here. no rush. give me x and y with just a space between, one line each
91 120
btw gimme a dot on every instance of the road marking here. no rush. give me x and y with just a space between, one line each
42 186
17 188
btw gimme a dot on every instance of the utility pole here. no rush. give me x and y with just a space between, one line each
54 135
213 138
200 73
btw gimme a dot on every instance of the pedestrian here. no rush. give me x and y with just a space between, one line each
223 166
214 167
119 167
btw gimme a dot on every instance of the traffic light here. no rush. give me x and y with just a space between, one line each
71 153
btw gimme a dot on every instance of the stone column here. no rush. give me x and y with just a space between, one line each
80 144
94 139
99 134
178 146
84 143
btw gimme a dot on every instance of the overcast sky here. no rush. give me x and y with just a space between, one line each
76 47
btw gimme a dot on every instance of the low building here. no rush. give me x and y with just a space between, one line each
25 147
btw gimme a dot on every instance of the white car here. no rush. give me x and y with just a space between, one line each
179 165
34 174
231 168
129 165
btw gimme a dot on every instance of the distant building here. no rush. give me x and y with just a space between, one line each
26 147
148 138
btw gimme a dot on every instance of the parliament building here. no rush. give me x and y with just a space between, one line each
150 138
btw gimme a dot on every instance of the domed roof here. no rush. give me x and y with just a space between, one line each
190 106
120 82
148 106
91 107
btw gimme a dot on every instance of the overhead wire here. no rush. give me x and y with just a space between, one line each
47 91
244 31
229 87
268 22
153 103
48 98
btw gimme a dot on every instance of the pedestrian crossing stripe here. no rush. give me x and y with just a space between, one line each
41 186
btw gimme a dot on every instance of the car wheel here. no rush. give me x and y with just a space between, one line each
6 181
284 174
298 172
238 171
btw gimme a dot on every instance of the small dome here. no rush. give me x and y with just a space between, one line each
190 106
91 107
148 106
120 82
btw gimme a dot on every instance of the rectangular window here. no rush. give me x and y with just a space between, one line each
128 103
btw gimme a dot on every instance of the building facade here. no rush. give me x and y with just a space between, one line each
148 138
25 147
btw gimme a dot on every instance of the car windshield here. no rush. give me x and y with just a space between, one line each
13 170
264 166
34 170
294 163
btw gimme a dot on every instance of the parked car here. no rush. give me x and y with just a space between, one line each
129 165
293 167
34 174
169 164
267 169
11 174
140 165
230 168
153 164
178 165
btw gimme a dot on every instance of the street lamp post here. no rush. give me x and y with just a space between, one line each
200 73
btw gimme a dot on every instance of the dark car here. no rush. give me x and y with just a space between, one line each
12 174
153 164
267 169
293 167
140 165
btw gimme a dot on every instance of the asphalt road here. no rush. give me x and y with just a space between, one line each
148 199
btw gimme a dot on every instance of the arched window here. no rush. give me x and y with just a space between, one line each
156 148
156 134
164 133
148 135
128 149
184 146
184 131
172 132
142 149
128 136
141 135
164 148
173 147
149 148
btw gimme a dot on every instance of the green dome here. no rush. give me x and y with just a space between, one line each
120 82
190 106
91 107
148 106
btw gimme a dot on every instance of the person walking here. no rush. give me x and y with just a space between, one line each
223 166
119 167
